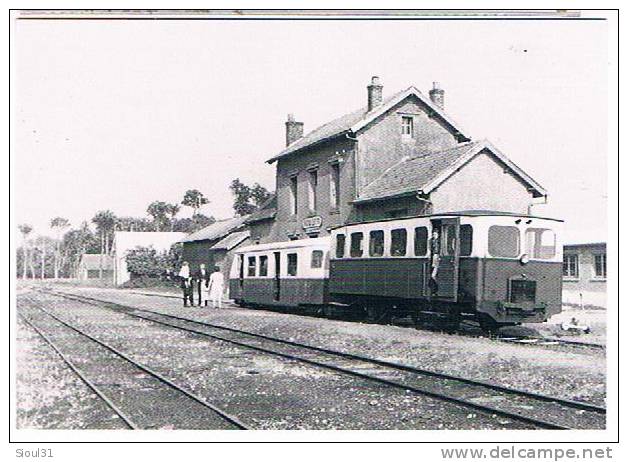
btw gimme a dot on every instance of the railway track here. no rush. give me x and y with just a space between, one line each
141 397
521 340
532 410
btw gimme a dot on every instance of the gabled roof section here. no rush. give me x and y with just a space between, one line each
216 230
359 119
231 240
424 173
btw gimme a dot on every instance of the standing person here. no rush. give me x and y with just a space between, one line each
216 287
435 251
186 284
202 285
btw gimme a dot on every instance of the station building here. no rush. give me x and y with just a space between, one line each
584 274
398 156
213 245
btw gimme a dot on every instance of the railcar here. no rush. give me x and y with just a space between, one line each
497 268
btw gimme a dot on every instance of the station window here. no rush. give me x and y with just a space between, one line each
540 243
600 266
251 270
317 259
263 265
340 245
334 186
466 240
292 264
312 187
503 241
376 243
407 126
293 195
398 242
570 266
420 241
356 244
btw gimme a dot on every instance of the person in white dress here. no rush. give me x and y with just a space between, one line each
216 287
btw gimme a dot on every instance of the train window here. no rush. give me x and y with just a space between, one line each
540 243
317 259
448 240
503 241
466 240
398 242
376 243
292 264
420 241
340 245
356 244
251 271
263 265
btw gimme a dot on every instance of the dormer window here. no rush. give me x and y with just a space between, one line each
407 126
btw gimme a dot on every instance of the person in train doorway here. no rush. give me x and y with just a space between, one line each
216 287
201 281
435 259
186 284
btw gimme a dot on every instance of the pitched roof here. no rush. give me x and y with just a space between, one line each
216 230
231 240
92 261
356 120
425 172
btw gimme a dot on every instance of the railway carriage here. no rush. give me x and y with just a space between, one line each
288 274
498 268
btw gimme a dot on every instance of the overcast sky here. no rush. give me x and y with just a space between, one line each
116 114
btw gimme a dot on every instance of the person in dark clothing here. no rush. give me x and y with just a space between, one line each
201 282
186 284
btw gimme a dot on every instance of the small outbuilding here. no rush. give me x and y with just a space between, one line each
95 266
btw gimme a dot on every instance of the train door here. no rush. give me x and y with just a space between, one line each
277 278
444 269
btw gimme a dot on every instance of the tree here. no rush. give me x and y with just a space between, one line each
247 199
133 224
25 229
58 224
76 242
189 225
172 211
195 199
105 222
159 211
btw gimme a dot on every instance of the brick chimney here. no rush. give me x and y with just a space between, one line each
374 93
294 130
437 95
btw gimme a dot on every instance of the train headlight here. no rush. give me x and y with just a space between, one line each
524 259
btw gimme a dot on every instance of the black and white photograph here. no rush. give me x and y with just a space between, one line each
305 224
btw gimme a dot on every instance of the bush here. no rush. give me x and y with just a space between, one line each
146 262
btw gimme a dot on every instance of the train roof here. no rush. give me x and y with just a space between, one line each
462 213
296 244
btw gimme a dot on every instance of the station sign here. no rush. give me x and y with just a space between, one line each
312 224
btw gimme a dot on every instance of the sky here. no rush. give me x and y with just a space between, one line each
117 114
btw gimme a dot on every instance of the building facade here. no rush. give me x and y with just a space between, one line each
398 156
213 244
584 274
96 266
